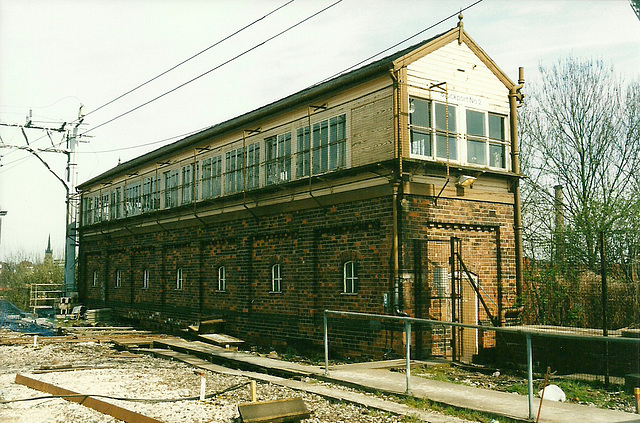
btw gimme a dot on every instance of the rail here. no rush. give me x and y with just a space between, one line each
407 321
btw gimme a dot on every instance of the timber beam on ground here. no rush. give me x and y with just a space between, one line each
324 391
240 360
88 401
131 338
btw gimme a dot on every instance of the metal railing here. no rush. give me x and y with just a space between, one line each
407 321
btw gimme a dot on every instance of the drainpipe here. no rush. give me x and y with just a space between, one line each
515 101
397 193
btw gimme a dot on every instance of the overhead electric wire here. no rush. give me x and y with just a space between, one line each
399 43
236 57
190 58
155 77
214 68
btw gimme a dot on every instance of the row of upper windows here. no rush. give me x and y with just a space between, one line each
350 278
237 170
442 131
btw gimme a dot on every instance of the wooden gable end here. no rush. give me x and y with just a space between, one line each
455 69
460 37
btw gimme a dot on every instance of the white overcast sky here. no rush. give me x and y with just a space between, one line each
55 55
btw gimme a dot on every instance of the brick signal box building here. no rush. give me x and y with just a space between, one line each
388 189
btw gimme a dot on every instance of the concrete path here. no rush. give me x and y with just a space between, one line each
373 378
494 402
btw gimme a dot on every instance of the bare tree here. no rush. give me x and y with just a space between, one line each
581 130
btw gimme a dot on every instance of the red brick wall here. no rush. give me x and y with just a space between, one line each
311 246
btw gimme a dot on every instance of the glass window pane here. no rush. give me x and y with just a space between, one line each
496 127
420 143
475 152
333 130
441 117
441 147
419 112
497 156
342 127
475 123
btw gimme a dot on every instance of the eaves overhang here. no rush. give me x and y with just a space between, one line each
305 97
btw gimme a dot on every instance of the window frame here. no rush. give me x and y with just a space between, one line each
179 279
276 279
487 140
211 177
434 132
188 178
277 160
233 168
133 199
171 185
322 149
222 279
350 280
146 278
150 199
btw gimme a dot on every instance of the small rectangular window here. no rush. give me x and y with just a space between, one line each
95 278
276 278
252 173
211 177
302 158
118 279
179 279
233 171
115 204
222 278
350 280
150 198
133 199
277 158
171 188
188 183
145 279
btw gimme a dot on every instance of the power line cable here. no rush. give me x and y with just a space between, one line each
190 58
159 75
333 76
398 43
214 68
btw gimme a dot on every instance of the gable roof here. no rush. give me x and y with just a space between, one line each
395 61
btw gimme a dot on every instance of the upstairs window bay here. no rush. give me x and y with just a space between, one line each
440 131
277 159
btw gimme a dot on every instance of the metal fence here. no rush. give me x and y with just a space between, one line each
532 340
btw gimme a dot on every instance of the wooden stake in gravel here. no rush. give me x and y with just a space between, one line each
546 377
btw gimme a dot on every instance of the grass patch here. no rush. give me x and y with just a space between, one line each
592 393
462 413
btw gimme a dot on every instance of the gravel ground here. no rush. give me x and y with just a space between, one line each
123 375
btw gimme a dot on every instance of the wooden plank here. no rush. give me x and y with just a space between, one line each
220 339
112 410
286 410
